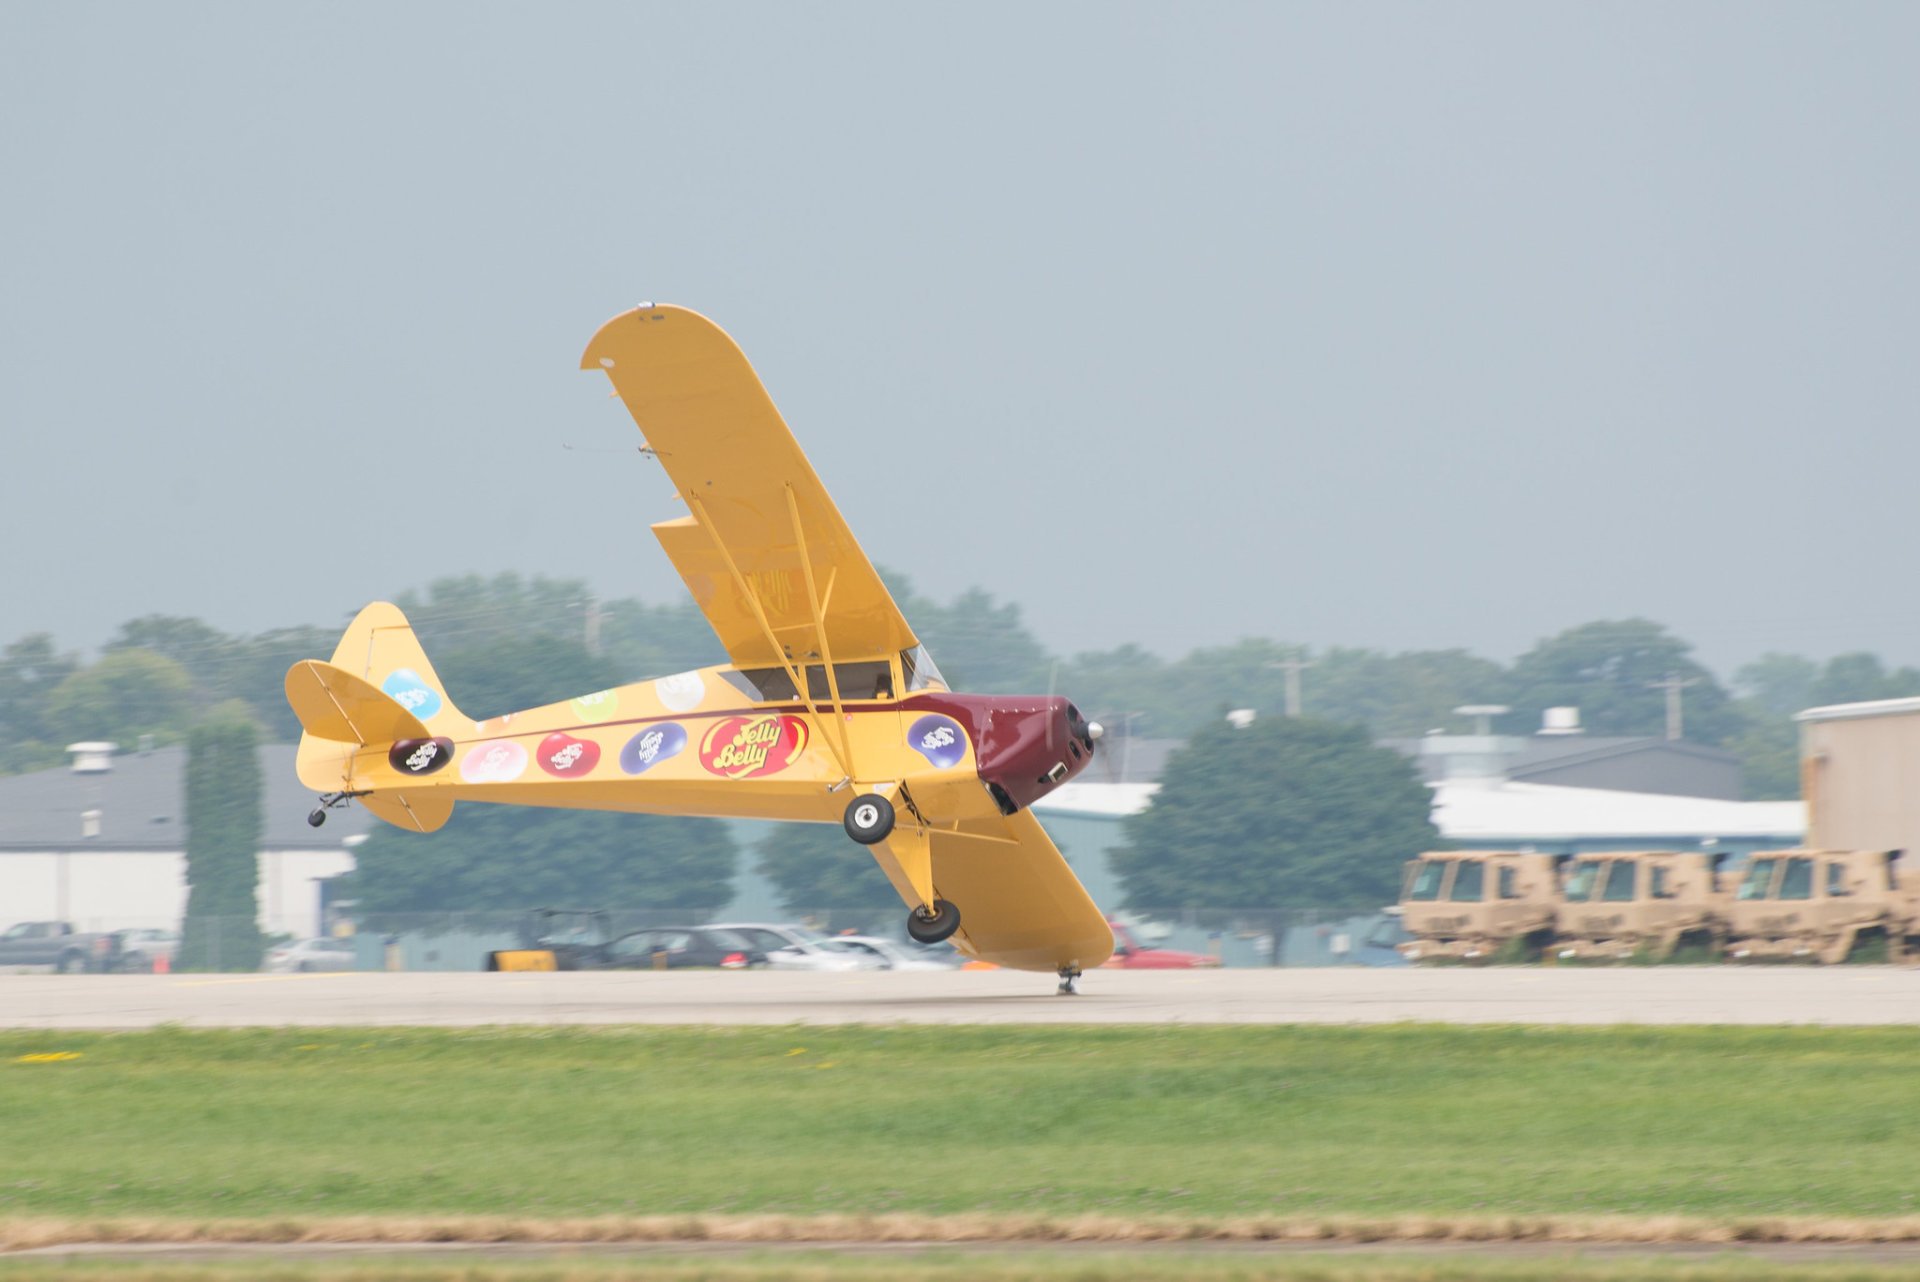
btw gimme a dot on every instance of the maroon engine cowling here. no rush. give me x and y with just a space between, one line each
1027 745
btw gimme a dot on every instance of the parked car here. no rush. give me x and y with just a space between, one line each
57 944
311 954
889 954
678 947
796 947
141 948
1129 954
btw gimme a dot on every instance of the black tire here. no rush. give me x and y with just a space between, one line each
931 930
71 964
869 818
305 968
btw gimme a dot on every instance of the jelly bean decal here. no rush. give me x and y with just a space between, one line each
752 747
567 757
939 739
500 761
652 746
420 756
681 692
406 688
597 707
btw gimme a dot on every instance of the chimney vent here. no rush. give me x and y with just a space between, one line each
92 758
1560 721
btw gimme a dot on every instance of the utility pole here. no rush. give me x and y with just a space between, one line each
1293 668
1673 685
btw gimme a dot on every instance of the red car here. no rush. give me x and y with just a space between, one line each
1129 955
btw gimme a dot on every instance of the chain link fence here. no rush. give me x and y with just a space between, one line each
460 941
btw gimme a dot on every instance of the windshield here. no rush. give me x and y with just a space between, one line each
1469 882
1580 884
1797 881
920 669
1619 887
1757 879
1424 885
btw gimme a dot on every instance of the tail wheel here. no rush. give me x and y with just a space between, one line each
925 928
869 818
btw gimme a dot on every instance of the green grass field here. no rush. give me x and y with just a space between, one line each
1160 1123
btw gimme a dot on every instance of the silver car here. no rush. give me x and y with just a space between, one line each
888 954
796 947
310 955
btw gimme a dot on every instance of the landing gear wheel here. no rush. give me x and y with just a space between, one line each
923 929
1067 975
869 818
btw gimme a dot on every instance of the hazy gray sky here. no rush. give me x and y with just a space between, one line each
1401 326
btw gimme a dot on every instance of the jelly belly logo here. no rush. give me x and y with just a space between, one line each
566 757
749 747
420 756
939 739
500 761
652 746
597 707
406 688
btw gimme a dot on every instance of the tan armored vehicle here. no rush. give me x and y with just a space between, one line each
1819 905
1646 903
1464 905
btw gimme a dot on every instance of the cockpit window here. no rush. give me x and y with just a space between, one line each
859 682
920 670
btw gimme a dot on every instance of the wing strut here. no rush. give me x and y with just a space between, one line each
820 631
779 651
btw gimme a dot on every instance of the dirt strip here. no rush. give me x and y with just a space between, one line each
19 1235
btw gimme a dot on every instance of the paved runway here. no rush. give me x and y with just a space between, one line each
1629 995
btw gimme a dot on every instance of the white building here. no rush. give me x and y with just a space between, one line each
102 844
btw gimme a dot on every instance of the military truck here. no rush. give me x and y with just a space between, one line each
1820 905
1647 904
1466 905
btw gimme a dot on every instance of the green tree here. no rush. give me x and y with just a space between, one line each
222 930
256 671
471 611
982 646
201 650
1776 684
515 857
1398 695
30 670
126 694
644 641
1608 669
513 673
1860 678
1286 813
1769 751
817 870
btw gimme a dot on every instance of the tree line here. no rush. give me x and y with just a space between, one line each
508 642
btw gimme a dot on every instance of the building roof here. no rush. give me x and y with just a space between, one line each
142 803
1856 711
1500 811
1482 811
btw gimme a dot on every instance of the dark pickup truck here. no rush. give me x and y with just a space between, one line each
59 945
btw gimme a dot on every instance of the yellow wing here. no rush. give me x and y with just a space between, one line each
1020 904
753 498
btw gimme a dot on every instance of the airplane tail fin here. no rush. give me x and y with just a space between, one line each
379 690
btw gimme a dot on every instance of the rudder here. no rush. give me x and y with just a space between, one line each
378 689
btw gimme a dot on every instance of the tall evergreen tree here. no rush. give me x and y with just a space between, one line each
222 930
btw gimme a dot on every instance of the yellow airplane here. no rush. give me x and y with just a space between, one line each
829 711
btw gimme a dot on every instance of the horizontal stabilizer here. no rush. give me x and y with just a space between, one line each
336 705
421 810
